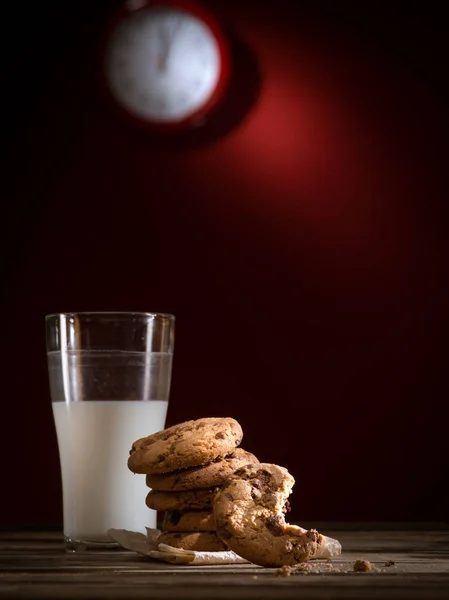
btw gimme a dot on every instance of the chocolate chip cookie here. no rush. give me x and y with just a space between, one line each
249 515
212 474
201 541
188 500
185 445
192 520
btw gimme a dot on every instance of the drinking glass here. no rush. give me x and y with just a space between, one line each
110 376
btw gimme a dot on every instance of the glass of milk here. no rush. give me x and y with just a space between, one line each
110 377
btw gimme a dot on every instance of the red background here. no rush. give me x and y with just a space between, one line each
300 241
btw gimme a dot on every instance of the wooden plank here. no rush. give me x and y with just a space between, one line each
33 565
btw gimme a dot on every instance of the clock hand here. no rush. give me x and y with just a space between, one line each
171 31
163 42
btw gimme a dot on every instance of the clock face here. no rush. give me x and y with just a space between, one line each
163 64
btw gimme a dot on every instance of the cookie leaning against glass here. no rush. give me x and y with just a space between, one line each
186 465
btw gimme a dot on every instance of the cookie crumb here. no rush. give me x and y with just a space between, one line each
362 566
331 569
390 563
303 568
284 571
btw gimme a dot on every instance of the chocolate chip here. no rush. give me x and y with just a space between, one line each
240 472
268 499
274 525
173 517
220 436
161 457
264 477
229 497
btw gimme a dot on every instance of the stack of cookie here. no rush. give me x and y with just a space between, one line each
185 467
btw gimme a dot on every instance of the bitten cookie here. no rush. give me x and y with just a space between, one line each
192 520
201 541
185 445
250 520
189 500
212 474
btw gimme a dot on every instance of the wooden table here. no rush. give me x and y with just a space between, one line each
34 565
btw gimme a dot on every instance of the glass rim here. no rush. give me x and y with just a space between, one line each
151 315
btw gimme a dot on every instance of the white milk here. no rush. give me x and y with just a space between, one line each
99 490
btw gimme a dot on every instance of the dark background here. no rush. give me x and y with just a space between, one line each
300 240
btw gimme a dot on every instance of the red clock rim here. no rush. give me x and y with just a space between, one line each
196 10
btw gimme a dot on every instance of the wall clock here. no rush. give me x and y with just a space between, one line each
165 63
